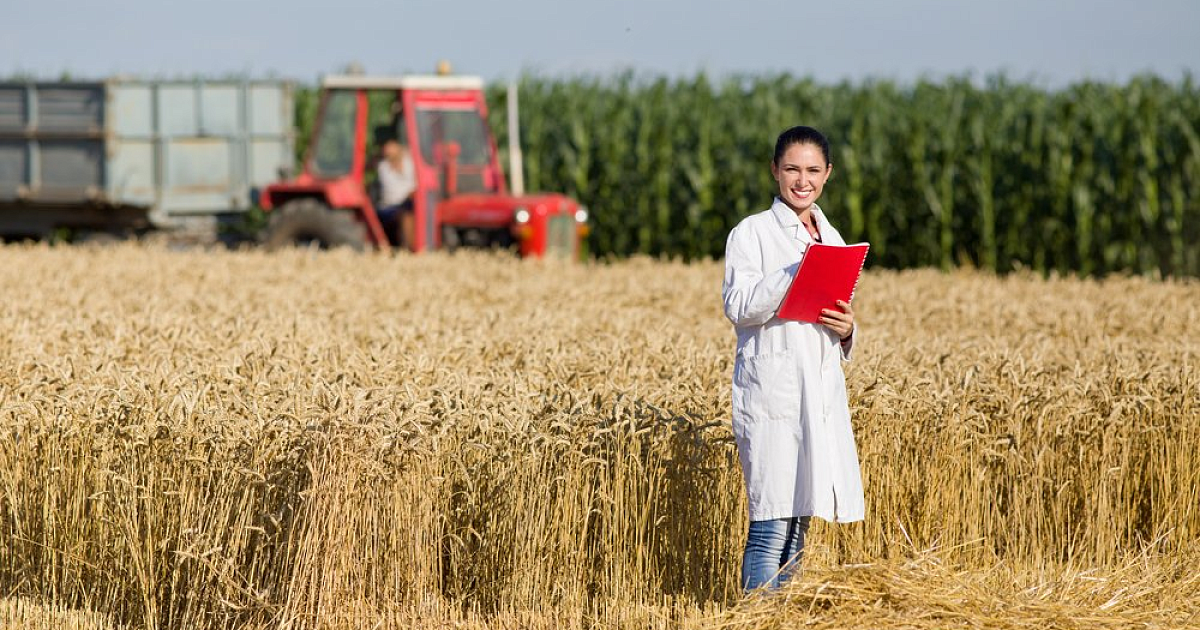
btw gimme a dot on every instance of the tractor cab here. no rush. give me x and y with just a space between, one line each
460 196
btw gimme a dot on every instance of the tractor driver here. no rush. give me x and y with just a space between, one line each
397 182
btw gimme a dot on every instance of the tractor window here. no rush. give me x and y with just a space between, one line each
335 142
464 126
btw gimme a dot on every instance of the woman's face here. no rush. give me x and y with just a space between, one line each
801 173
391 149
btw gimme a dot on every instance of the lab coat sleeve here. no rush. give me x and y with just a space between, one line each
751 296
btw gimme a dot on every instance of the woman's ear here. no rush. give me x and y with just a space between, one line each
774 171
828 172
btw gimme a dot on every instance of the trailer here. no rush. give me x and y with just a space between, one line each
121 156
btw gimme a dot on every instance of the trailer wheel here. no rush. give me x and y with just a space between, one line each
99 238
308 222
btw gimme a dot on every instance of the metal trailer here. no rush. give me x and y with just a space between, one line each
121 155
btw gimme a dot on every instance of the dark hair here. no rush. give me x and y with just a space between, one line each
384 134
800 135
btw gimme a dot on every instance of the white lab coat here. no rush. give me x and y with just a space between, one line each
791 418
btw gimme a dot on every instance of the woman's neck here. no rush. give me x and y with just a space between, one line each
804 214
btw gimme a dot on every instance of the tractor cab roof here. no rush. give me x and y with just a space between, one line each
406 82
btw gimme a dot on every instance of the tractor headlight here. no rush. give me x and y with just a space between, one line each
581 215
521 216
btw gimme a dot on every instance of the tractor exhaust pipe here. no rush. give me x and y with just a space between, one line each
516 163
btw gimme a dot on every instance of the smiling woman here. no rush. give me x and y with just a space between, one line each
791 418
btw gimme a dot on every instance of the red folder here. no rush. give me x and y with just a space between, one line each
827 273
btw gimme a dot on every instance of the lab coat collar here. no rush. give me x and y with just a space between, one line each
791 223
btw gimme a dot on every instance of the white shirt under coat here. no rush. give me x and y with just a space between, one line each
791 417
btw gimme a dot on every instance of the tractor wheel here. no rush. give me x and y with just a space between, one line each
308 222
451 239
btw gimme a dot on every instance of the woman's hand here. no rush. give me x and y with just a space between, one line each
841 322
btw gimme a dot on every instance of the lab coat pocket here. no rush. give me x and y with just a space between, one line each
765 387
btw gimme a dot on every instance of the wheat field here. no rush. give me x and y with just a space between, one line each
209 439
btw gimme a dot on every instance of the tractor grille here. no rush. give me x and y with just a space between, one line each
560 235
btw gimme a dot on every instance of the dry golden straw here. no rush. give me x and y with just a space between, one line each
329 440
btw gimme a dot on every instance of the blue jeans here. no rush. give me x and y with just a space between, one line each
773 550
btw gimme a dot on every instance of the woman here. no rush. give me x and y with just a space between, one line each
791 418
397 182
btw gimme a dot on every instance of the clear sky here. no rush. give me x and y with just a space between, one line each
1050 42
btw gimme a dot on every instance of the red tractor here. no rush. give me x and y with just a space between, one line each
460 197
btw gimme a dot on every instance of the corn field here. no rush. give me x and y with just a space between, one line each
1093 178
309 440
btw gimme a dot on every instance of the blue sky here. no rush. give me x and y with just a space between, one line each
1051 42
